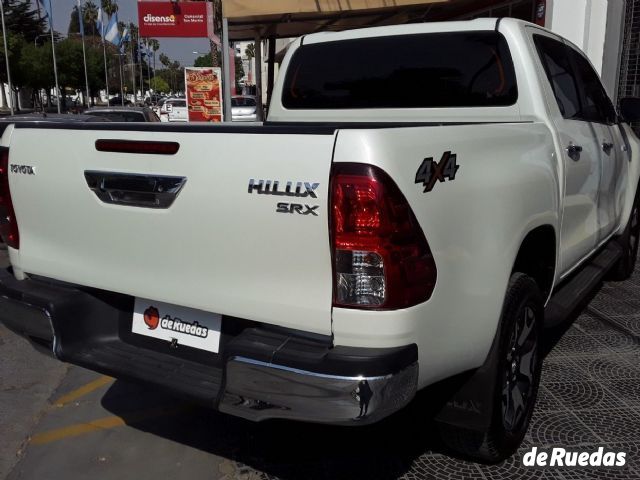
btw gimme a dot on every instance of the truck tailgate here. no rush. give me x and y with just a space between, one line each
220 247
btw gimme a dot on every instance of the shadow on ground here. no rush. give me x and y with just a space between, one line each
284 449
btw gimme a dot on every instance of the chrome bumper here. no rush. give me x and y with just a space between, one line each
259 374
258 390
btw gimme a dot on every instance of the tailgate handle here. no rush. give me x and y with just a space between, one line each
135 190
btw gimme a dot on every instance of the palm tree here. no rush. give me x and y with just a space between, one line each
155 46
90 15
109 6
165 60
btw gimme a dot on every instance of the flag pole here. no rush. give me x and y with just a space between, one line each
6 58
148 67
141 75
121 75
53 51
133 74
104 53
84 53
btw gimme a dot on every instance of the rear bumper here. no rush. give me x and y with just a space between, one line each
260 372
244 118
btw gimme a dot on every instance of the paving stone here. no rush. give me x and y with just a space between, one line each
613 425
559 428
585 395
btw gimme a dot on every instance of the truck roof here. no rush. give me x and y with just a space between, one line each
486 23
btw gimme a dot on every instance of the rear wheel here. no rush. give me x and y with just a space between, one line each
517 377
629 241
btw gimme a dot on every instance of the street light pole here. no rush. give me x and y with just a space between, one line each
6 58
84 53
226 76
55 64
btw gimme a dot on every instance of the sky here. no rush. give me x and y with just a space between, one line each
176 48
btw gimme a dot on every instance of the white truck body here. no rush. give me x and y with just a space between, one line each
222 248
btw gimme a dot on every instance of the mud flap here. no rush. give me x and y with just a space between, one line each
471 400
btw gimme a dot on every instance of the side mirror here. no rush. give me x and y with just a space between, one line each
630 109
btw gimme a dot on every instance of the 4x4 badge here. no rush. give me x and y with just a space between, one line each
430 171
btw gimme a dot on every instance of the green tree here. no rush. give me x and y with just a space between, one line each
22 19
23 27
37 60
70 64
250 51
203 61
159 85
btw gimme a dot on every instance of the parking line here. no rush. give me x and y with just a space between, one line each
105 423
84 390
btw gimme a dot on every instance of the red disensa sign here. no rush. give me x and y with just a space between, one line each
175 19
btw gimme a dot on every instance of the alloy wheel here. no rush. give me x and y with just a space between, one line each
520 370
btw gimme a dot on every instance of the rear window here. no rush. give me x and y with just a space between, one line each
178 103
120 116
457 69
243 102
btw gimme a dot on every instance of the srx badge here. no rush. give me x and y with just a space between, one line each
430 171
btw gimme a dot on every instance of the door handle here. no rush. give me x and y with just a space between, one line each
607 147
574 151
135 190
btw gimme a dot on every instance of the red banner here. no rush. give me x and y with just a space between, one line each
175 19
204 93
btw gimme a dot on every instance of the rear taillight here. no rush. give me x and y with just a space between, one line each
381 256
8 223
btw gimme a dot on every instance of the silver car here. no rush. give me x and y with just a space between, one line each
243 108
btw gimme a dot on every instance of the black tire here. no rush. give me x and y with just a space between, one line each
523 307
629 241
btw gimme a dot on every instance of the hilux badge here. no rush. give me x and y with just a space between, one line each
291 189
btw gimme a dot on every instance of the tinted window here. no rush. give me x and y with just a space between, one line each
576 86
120 116
179 103
596 105
461 69
560 75
243 102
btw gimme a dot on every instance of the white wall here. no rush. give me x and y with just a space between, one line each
596 26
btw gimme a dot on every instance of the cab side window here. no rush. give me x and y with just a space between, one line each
560 75
596 105
575 84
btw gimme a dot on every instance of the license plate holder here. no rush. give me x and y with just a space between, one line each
177 325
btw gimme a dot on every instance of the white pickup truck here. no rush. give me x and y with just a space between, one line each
421 201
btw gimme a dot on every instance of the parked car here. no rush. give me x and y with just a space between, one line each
243 108
163 113
118 101
366 242
152 99
176 110
124 114
49 118
157 107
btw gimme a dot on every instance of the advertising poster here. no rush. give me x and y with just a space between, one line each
204 93
175 19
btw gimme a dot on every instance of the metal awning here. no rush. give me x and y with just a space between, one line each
249 19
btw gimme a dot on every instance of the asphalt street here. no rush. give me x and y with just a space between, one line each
61 421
